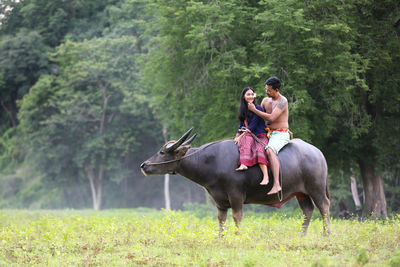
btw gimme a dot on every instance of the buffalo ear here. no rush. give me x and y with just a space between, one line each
181 151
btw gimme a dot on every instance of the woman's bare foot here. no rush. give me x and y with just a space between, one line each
274 190
265 181
242 168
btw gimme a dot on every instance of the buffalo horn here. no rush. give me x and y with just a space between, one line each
187 142
173 146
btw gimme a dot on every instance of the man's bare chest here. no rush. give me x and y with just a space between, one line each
270 106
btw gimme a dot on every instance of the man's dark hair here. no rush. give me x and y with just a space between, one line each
274 82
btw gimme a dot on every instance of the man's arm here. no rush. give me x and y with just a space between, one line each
271 117
259 113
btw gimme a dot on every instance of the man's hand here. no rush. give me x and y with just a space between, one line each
251 107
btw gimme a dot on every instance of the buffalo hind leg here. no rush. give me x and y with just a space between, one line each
307 206
322 202
222 213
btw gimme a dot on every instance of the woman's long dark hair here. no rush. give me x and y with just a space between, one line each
244 112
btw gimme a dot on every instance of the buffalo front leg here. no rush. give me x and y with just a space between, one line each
307 207
237 210
222 213
237 217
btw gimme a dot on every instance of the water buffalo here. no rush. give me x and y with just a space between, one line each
303 174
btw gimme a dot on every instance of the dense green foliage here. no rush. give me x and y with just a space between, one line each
339 76
86 85
148 237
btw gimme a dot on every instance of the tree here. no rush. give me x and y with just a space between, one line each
378 43
23 59
324 54
76 122
332 73
338 62
54 19
196 64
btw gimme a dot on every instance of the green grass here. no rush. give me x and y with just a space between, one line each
160 238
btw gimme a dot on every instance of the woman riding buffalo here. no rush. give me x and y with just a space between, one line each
251 136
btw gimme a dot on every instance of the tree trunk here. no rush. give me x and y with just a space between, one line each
100 188
166 176
10 115
354 192
375 201
96 185
90 174
166 192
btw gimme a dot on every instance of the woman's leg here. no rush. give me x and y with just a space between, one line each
264 170
244 150
242 167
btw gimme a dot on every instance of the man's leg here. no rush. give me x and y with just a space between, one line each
264 170
273 158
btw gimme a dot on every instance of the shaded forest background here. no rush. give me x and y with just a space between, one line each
89 89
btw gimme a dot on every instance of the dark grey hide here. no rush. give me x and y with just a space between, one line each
303 168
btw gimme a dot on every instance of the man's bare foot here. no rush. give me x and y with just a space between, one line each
265 181
242 168
274 190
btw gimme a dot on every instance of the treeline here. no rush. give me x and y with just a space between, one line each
87 89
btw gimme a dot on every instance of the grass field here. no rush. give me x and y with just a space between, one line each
160 238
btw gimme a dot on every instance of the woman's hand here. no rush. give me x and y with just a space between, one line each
237 139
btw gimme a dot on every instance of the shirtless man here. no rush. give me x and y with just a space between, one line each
276 113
